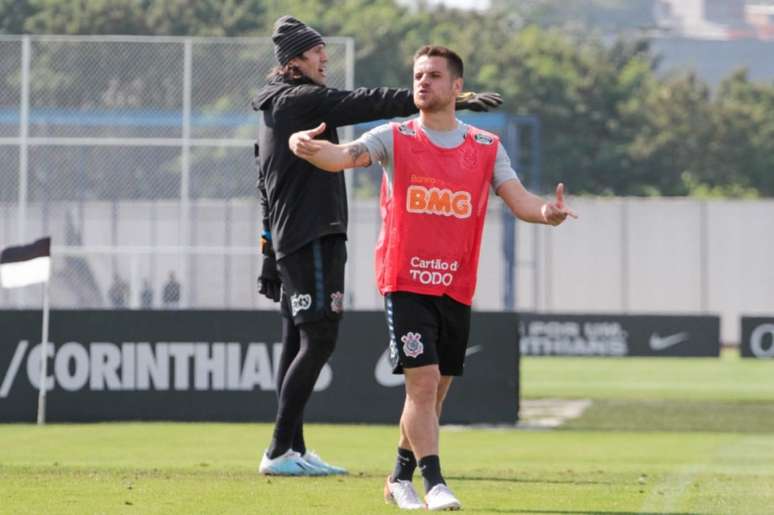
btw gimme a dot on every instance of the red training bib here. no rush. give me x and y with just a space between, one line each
433 213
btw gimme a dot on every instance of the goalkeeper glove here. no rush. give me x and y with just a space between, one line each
269 283
478 102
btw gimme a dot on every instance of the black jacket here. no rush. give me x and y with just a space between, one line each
300 202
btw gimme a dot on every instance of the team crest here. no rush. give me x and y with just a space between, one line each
483 139
300 302
337 302
406 130
412 344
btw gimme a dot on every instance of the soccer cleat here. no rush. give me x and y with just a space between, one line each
402 494
314 459
441 498
288 464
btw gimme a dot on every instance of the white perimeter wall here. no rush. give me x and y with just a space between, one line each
624 255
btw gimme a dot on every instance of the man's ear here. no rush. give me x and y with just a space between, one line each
458 86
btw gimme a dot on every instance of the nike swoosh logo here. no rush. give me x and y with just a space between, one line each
660 343
383 370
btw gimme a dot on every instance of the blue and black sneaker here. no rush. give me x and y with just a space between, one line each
314 459
289 464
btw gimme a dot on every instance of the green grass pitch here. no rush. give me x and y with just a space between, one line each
678 436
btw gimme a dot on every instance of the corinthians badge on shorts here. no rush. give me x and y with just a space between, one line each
412 344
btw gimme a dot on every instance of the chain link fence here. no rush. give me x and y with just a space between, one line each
135 155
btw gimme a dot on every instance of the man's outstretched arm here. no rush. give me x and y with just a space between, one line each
529 207
339 108
326 155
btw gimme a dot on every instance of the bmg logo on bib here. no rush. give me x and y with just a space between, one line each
436 201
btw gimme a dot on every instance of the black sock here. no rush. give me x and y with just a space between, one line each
299 445
404 465
431 471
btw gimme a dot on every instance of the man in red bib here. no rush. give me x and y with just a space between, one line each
435 188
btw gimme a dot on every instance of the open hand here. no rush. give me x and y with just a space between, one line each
556 212
478 102
303 144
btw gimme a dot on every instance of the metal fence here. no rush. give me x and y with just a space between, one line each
135 154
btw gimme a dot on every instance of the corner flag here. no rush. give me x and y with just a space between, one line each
22 266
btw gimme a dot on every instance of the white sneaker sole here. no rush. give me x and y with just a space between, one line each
311 472
285 474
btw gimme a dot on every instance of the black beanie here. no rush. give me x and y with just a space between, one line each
292 38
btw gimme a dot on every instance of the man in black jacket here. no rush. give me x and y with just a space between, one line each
305 222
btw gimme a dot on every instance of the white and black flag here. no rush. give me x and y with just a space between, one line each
26 264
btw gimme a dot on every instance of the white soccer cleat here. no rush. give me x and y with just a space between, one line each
441 498
289 464
314 459
402 494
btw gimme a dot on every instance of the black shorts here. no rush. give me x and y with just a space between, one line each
313 280
427 330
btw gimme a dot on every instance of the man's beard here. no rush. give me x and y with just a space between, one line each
433 104
316 78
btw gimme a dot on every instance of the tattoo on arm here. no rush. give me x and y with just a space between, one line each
356 151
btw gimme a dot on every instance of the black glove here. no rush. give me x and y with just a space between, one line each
478 102
269 283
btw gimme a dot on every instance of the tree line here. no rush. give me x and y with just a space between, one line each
613 122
